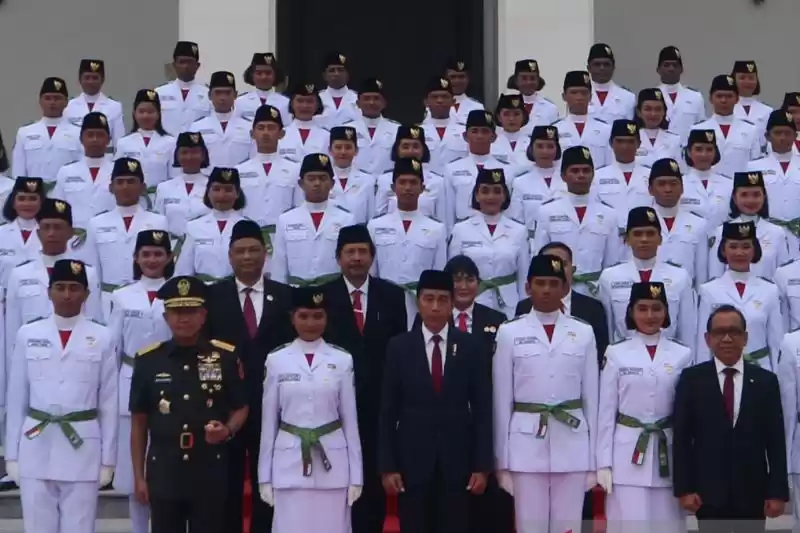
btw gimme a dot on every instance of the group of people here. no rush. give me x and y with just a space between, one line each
275 310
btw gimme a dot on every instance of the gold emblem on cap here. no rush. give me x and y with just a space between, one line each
710 136
744 230
651 215
585 78
309 88
551 133
556 264
497 176
730 80
195 138
133 165
227 175
752 178
460 65
348 132
488 117
515 102
632 128
75 267
677 53
655 291
342 59
415 165
268 59
184 286
673 165
151 95
273 113
230 77
318 298
751 67
444 83
157 236
533 65
587 154
103 120
323 159
379 84
658 95
414 132
60 206
194 49
31 185
57 84
797 98
94 65
608 50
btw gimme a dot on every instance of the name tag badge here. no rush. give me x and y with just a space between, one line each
163 377
631 371
288 377
209 371
518 341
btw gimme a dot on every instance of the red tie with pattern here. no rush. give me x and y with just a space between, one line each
579 126
127 221
462 322
64 337
316 218
358 310
221 225
580 211
740 287
627 177
151 295
437 372
785 166
337 101
549 329
727 391
652 351
249 313
644 276
669 221
725 128
93 171
184 93
267 168
406 225
601 96
51 130
189 187
303 134
26 233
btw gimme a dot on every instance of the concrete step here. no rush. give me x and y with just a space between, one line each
117 525
112 506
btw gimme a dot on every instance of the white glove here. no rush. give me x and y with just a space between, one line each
353 493
267 494
505 482
12 469
604 479
106 475
591 481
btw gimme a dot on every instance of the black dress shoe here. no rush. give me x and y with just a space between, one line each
7 485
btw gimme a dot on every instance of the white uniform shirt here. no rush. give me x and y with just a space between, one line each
292 146
156 157
247 104
760 305
432 201
87 197
340 106
375 150
303 252
619 103
178 205
594 137
712 201
665 144
532 189
460 176
256 296
787 278
309 396
226 147
47 377
775 251
542 111
358 195
783 187
611 186
6 186
742 144
268 195
755 111
78 107
686 244
738 382
508 147
636 385
38 155
13 249
177 112
205 250
445 141
530 368
686 110
502 258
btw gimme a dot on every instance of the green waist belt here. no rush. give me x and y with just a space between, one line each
313 282
656 428
411 286
559 412
109 287
494 284
792 225
128 360
63 421
752 357
590 279
267 232
146 196
309 439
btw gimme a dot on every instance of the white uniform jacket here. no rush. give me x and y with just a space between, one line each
247 104
775 249
339 106
205 250
755 111
686 245
742 144
459 177
358 196
78 107
686 109
292 146
531 189
708 194
178 205
620 189
156 157
665 145
177 112
432 202
787 278
39 155
445 143
619 104
789 379
226 147
375 143
542 111
783 186
87 197
594 137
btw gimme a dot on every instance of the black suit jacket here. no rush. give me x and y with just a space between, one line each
737 466
587 309
422 431
485 322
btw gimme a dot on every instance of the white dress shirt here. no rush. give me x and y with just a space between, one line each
468 311
364 288
256 295
566 302
738 378
428 336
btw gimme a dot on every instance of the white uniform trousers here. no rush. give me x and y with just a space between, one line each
632 509
105 302
796 500
58 506
311 510
548 503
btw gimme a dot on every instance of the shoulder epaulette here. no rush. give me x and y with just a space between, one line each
147 349
376 217
38 318
616 342
3 224
670 262
546 99
789 262
103 212
699 122
599 120
676 341
709 280
97 322
573 317
692 89
222 345
435 173
339 348
623 87
696 214
767 280
510 320
647 166
197 217
557 121
601 168
606 204
281 347
670 133
343 208
549 201
747 121
758 158
24 263
390 120
434 218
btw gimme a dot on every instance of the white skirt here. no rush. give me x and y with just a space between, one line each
311 510
123 474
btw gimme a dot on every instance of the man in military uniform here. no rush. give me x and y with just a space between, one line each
186 394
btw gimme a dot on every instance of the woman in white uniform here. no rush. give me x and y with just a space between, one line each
749 107
512 118
757 298
204 251
497 244
657 142
705 192
637 387
310 462
137 321
749 203
19 240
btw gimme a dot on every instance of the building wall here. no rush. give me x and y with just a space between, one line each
40 38
711 35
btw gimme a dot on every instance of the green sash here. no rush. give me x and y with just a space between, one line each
309 439
558 411
753 357
313 282
656 428
63 421
494 284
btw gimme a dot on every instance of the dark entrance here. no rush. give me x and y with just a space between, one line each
403 43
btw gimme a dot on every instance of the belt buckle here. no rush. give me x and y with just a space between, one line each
187 440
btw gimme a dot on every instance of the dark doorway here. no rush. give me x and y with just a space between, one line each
403 43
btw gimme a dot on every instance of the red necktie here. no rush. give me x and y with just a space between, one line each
316 218
669 221
93 171
627 177
184 93
549 329
746 109
652 140
64 337
479 165
491 227
49 271
337 101
785 166
127 221
263 100
189 187
221 225
462 322
249 313
146 141
727 391
224 125
51 130
436 364
797 144
601 95
580 211
151 295
740 286
579 126
528 108
310 359
303 134
652 351
548 181
90 106
705 183
513 145
371 132
267 168
725 129
358 310
644 276
406 225
25 234
456 106
673 97
343 182
440 131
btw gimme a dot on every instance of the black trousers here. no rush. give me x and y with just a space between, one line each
492 511
369 512
244 442
436 507
731 518
202 515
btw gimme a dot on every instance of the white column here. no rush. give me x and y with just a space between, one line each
228 32
557 34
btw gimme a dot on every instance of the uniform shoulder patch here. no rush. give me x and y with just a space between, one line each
24 263
37 319
343 208
147 349
767 280
98 322
339 348
222 345
599 120
510 320
551 200
281 347
748 122
576 319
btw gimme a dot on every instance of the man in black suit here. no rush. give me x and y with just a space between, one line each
364 312
729 449
251 312
435 442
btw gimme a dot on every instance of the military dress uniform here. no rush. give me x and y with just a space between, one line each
247 103
62 416
205 249
432 201
611 102
444 138
774 241
19 240
181 199
545 414
375 136
708 194
459 178
354 190
684 241
302 138
227 137
183 102
658 144
685 108
83 104
85 188
623 186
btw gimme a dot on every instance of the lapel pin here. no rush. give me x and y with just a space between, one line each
269 298
751 380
